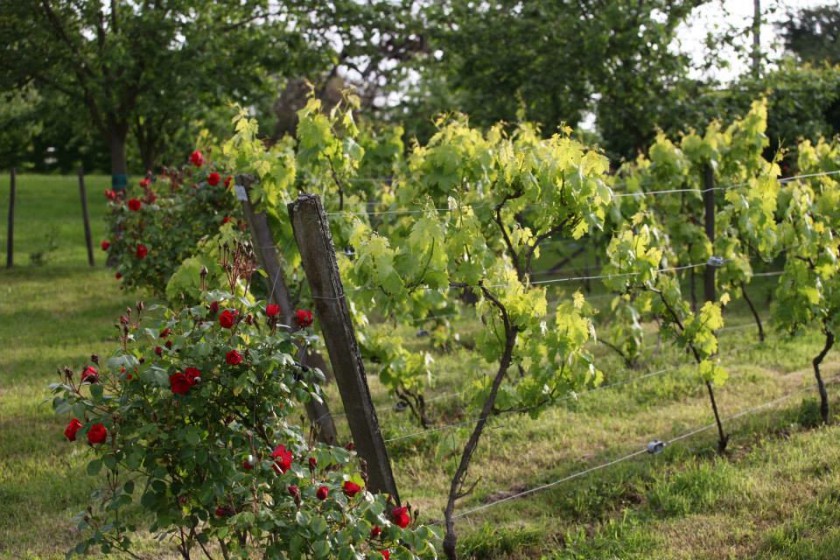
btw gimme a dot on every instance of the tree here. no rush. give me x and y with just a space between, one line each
552 62
813 34
150 66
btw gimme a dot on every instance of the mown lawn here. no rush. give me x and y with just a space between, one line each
776 494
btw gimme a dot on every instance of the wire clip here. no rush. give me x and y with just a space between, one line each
655 447
716 262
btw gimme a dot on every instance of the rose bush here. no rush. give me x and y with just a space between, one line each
155 230
192 420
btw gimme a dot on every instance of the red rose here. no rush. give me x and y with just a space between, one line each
350 489
213 307
227 318
386 554
248 463
233 358
145 182
197 158
375 532
226 220
294 491
282 459
72 428
303 317
97 434
228 181
213 179
400 517
158 350
322 493
134 205
105 244
165 332
180 383
272 310
193 375
313 462
141 251
224 511
90 375
110 194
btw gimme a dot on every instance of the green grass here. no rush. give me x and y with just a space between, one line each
774 495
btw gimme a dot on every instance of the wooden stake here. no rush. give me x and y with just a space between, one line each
10 237
318 412
312 234
85 216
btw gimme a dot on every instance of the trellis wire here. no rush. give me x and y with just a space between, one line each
616 195
627 457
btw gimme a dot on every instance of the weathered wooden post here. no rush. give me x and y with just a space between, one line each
318 412
85 216
312 233
10 237
709 280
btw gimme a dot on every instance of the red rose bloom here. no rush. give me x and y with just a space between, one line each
272 310
233 358
227 319
313 462
180 383
213 307
97 434
400 517
228 181
213 179
350 489
294 491
141 251
322 493
282 459
111 194
386 554
72 428
165 332
105 244
224 511
197 158
90 375
158 350
193 375
145 182
375 532
303 317
134 204
226 220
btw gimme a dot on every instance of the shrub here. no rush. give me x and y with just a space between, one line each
192 421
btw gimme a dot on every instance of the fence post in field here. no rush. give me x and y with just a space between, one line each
312 233
318 412
85 216
709 203
10 237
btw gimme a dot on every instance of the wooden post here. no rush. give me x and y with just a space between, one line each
10 237
318 412
709 203
85 216
312 233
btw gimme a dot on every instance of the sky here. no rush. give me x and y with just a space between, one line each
739 13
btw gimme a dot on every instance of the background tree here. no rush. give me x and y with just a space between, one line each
150 67
553 62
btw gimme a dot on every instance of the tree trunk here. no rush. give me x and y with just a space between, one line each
829 342
119 165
